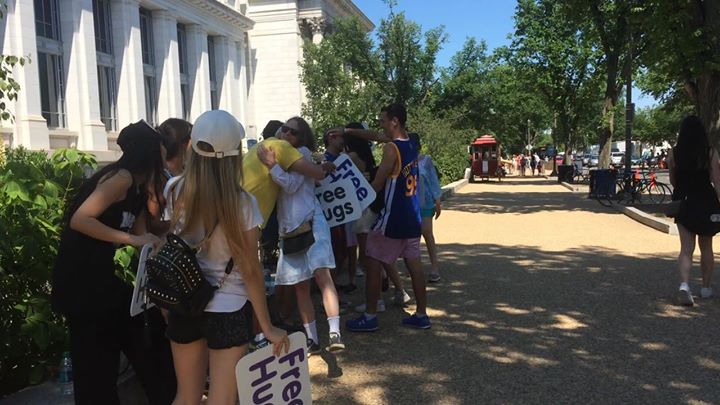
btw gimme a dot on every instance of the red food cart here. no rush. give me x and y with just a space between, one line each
485 158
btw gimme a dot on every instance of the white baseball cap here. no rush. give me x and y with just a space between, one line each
221 131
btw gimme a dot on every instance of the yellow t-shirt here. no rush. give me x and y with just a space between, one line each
256 176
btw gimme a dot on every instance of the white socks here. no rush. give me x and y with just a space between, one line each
370 316
684 286
334 324
311 331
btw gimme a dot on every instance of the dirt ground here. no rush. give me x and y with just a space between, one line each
546 297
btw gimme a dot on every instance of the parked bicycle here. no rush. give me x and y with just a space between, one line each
640 188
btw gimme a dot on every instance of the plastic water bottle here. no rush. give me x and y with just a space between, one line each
66 377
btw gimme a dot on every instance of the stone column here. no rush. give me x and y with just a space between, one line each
198 70
225 76
82 97
317 26
30 128
167 65
246 83
127 47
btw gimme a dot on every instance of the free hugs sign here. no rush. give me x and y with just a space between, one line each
265 379
344 194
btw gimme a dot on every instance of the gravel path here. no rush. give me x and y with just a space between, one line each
546 298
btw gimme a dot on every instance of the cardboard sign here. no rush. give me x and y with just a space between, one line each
344 195
339 202
139 301
263 378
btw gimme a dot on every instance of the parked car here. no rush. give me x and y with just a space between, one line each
593 161
616 158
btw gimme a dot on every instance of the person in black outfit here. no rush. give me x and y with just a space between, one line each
109 211
694 168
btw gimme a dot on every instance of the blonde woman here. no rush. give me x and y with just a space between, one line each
208 204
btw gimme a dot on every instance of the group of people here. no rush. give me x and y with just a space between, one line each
194 181
533 161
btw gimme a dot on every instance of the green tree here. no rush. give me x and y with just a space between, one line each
607 24
683 55
562 62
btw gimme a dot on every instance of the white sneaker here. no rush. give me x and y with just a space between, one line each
706 292
380 307
684 297
359 272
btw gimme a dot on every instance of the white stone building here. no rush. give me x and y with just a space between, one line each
98 65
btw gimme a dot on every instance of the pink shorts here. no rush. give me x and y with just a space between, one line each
388 250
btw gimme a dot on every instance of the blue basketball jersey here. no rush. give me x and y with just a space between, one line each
400 217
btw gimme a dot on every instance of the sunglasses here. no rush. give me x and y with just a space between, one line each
286 128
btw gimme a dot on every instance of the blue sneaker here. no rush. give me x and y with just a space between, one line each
362 324
417 322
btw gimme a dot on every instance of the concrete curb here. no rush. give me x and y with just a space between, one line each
450 189
572 187
647 219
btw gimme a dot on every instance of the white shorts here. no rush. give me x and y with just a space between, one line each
292 269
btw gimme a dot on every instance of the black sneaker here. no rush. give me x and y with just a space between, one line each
350 288
336 343
313 348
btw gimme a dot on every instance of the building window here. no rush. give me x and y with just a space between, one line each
150 100
108 104
103 26
182 55
213 74
51 89
182 48
50 62
148 58
106 64
185 101
47 23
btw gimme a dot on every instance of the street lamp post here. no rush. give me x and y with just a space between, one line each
528 138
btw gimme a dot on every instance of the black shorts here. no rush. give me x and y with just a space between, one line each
222 330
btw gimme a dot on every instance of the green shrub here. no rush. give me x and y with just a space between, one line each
33 191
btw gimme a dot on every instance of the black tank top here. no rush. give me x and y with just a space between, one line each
84 281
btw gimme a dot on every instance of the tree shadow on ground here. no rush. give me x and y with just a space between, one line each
521 325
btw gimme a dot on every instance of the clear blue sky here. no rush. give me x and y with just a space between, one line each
490 20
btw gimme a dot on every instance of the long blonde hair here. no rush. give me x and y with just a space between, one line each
212 195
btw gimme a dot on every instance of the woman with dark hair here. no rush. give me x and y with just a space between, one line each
175 136
299 213
694 169
107 211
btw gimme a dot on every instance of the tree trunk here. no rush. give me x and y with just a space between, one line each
707 102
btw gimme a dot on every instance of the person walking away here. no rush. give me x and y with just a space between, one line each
694 169
430 206
533 164
211 209
109 210
298 208
397 231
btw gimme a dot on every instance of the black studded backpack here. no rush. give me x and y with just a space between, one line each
175 280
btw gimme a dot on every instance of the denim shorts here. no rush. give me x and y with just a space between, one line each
222 330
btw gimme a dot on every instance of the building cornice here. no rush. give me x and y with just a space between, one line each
224 12
348 8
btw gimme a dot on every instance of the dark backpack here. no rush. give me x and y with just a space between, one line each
175 280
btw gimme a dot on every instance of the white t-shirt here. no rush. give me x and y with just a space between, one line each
215 254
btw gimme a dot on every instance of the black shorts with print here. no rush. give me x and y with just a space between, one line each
222 330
